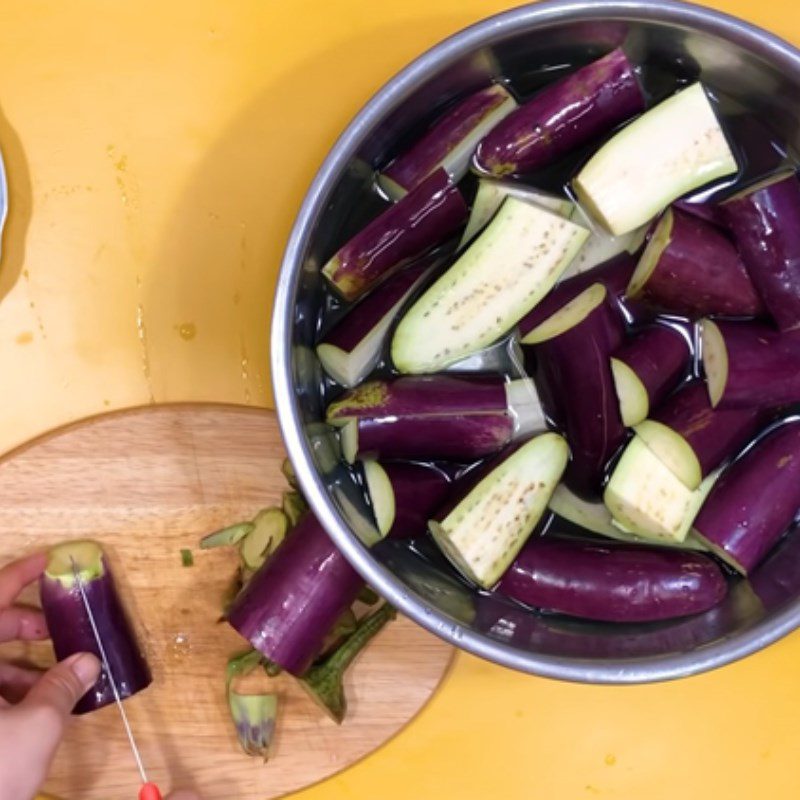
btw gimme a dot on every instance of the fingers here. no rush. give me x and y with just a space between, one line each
22 623
16 576
61 687
16 682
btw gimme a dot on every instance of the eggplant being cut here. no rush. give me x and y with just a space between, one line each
450 142
482 530
70 627
426 217
436 416
750 365
755 501
506 271
671 149
612 582
562 117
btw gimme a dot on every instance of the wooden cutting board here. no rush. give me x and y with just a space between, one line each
147 483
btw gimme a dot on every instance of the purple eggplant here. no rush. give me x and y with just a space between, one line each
291 604
404 496
692 438
450 142
702 209
647 368
776 581
765 222
690 267
750 365
352 349
615 275
572 350
754 501
437 416
70 627
612 582
562 117
424 218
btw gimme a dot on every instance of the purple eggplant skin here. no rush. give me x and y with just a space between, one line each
765 223
575 380
562 117
698 273
424 218
754 502
715 435
612 582
419 490
409 169
659 355
702 209
71 632
776 580
614 274
763 365
291 604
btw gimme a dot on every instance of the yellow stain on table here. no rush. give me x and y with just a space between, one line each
157 153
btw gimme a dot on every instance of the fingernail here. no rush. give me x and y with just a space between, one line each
86 668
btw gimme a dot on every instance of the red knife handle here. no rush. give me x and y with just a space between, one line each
149 791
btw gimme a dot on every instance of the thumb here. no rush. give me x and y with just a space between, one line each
61 687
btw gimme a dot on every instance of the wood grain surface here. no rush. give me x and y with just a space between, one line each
147 483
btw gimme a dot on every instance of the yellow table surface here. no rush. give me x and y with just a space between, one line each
157 152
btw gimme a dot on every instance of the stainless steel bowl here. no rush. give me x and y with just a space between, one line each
730 56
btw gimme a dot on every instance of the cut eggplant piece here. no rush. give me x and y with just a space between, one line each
750 365
765 222
691 268
490 196
353 348
224 537
574 375
484 532
269 530
71 629
755 501
435 416
613 582
595 517
424 218
614 275
647 368
562 117
671 149
506 271
601 247
450 142
692 438
404 496
294 600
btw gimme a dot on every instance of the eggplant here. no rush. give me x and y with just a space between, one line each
350 351
572 349
692 438
562 117
646 498
614 274
601 247
647 368
490 195
765 223
482 530
671 149
504 273
71 629
613 582
404 495
691 268
596 518
290 605
705 210
748 364
450 142
437 416
755 501
424 218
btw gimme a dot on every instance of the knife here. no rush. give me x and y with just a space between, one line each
149 791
